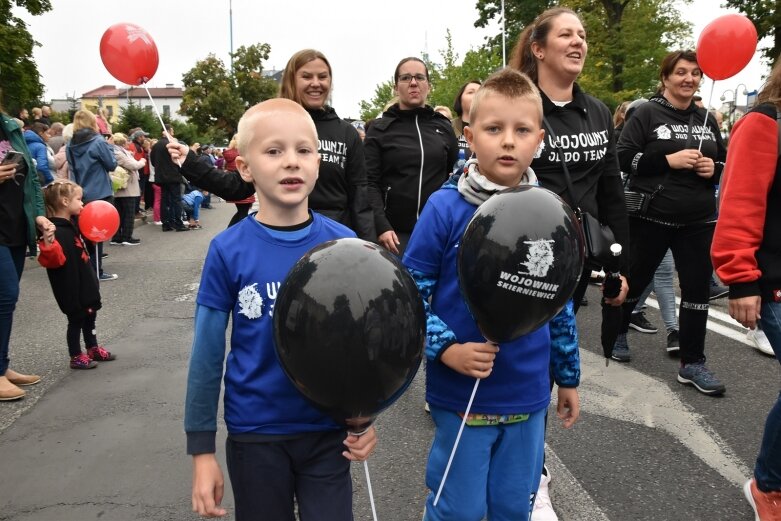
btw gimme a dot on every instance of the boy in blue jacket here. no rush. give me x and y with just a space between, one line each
496 470
279 446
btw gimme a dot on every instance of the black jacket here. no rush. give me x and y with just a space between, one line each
409 154
74 283
166 171
655 130
341 189
584 127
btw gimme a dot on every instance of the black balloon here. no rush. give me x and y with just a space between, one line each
349 329
519 261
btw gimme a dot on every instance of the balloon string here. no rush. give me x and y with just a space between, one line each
707 108
160 119
97 262
369 485
458 438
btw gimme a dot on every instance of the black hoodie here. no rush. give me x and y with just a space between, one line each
655 130
409 155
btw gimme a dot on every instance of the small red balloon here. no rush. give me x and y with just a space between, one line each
726 45
99 221
129 53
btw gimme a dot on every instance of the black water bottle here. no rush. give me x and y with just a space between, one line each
612 285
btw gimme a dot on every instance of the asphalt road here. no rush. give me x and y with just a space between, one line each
108 444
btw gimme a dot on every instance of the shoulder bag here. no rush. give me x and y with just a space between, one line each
599 237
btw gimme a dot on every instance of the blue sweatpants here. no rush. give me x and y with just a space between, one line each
495 472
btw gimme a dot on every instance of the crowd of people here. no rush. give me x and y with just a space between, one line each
410 180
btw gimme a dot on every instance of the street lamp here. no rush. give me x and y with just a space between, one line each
230 15
731 118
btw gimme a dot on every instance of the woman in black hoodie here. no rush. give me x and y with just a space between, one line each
674 155
341 189
410 152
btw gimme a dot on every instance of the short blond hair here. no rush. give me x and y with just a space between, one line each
120 139
267 108
512 85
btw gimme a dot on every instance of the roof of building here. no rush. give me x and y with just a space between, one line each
111 91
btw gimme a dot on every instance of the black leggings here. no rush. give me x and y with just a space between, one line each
81 325
242 209
690 246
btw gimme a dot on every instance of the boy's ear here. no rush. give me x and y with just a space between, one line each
244 171
469 135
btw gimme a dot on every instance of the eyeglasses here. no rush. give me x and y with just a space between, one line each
406 78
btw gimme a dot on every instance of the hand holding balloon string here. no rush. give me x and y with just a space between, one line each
475 359
360 446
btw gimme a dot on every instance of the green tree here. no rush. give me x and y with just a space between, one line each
133 116
214 98
448 78
383 94
766 15
627 39
21 83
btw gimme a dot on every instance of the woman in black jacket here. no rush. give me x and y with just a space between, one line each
674 155
410 151
341 189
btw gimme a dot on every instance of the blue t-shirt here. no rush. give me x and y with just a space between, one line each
243 272
520 381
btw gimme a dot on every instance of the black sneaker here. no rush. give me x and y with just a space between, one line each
131 242
638 322
673 342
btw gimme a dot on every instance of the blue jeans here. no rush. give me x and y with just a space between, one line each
495 472
11 265
191 204
768 468
662 285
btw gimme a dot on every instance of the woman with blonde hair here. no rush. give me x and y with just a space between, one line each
90 159
341 189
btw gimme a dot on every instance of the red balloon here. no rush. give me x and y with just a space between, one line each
726 45
129 53
99 221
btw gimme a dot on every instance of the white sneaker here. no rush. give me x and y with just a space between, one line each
760 341
543 509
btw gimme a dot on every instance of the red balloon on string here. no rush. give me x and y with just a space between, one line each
726 45
99 221
129 53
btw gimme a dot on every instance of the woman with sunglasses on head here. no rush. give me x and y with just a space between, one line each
579 137
410 152
341 189
21 212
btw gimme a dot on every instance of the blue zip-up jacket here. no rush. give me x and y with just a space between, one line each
37 149
90 159
520 380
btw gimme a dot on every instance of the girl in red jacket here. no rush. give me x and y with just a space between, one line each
72 278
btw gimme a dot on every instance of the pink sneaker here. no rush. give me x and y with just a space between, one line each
82 361
99 354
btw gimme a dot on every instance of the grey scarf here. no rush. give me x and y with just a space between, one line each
476 188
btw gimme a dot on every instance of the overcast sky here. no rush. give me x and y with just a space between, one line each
362 42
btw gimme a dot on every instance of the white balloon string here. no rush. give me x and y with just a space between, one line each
369 486
160 119
707 110
458 438
97 262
